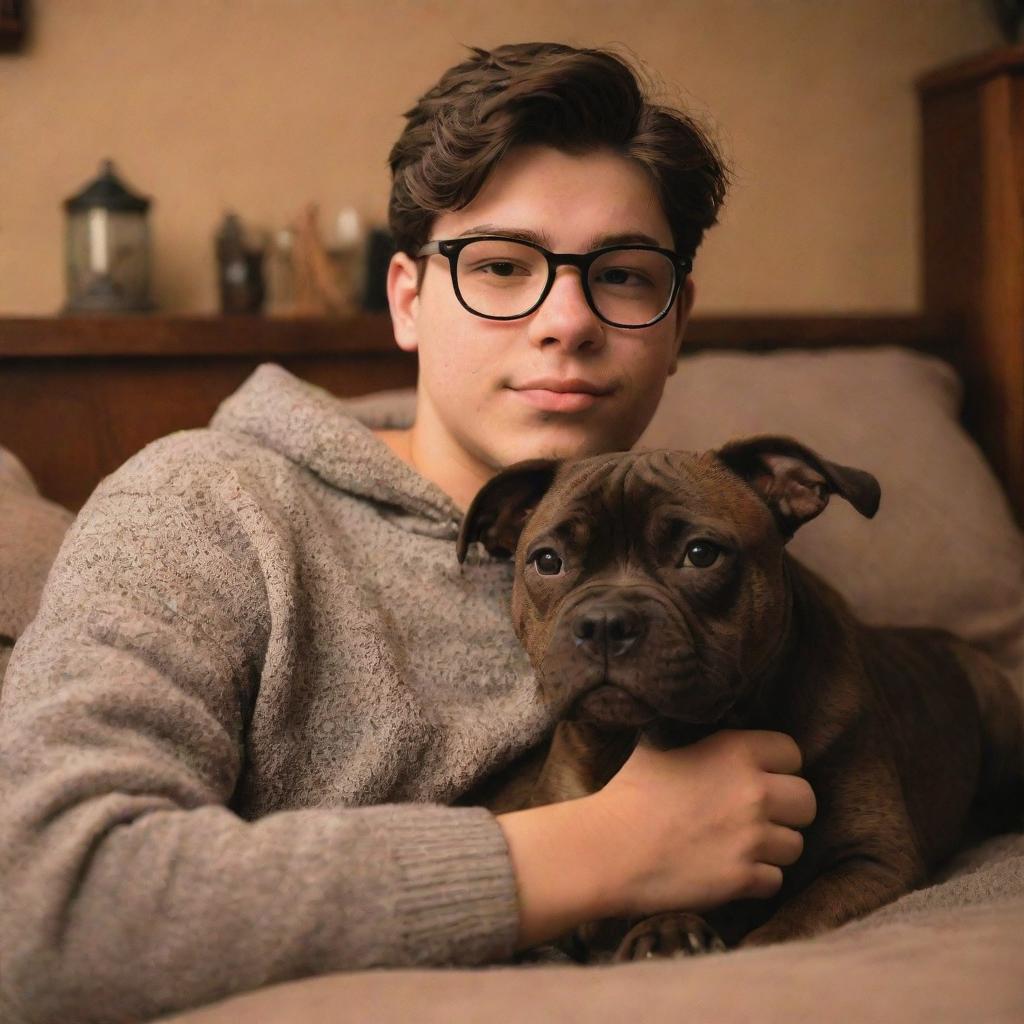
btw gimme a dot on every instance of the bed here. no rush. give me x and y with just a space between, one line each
884 394
931 404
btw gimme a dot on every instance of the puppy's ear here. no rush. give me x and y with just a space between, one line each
796 482
499 511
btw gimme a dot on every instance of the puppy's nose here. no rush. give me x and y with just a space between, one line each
607 628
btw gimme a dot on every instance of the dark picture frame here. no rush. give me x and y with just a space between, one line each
1009 14
13 19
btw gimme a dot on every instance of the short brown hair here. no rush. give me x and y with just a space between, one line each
574 100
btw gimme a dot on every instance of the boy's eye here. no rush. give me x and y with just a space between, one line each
701 554
622 276
547 561
503 268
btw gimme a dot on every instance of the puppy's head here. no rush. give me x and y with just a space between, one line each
652 584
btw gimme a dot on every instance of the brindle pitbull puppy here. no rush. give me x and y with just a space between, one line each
653 593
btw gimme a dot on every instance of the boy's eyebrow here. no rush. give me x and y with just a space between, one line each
523 234
541 238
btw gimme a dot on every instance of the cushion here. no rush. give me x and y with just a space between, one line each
943 549
33 529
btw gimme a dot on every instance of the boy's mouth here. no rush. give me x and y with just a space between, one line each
557 394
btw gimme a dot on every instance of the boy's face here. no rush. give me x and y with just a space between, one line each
485 397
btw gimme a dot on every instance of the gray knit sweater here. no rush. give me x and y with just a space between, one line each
251 634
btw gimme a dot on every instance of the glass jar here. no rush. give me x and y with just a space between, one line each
107 248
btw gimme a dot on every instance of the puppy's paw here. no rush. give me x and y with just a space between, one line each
547 954
674 934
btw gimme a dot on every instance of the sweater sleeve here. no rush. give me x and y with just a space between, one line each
130 888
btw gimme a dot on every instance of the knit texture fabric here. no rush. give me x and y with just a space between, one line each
251 633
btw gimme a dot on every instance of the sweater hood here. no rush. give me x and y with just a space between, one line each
333 438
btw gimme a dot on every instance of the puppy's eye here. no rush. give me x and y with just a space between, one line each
547 561
701 554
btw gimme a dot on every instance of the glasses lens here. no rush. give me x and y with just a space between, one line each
501 278
632 286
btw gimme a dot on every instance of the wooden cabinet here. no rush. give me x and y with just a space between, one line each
973 193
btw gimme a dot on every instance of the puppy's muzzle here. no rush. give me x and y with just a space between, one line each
607 629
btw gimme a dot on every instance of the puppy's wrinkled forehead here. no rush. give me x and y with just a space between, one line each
625 498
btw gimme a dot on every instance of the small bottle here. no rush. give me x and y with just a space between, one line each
239 268
281 273
346 256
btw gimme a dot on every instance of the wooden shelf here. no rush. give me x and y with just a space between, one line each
371 333
157 335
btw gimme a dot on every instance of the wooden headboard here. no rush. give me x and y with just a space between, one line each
78 396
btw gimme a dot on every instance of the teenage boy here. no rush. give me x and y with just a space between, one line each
258 677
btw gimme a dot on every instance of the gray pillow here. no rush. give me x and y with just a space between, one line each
31 530
943 549
13 474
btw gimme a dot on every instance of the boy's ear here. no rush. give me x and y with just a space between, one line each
503 505
796 482
403 300
684 306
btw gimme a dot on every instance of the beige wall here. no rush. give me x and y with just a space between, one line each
262 104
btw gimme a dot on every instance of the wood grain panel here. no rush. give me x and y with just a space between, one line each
73 421
973 191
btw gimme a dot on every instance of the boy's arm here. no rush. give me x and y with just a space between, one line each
129 888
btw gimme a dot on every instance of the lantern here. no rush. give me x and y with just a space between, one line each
107 248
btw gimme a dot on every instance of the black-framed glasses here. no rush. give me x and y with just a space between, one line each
500 278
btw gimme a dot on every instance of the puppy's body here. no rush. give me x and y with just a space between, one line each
910 738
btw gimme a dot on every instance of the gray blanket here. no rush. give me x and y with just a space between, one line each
953 951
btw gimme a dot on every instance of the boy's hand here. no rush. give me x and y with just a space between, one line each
695 827
679 829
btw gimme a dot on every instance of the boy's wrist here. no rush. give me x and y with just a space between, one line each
563 875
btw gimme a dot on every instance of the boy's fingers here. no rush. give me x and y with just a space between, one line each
781 846
791 801
776 752
765 883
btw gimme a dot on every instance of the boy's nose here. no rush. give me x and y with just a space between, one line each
565 317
